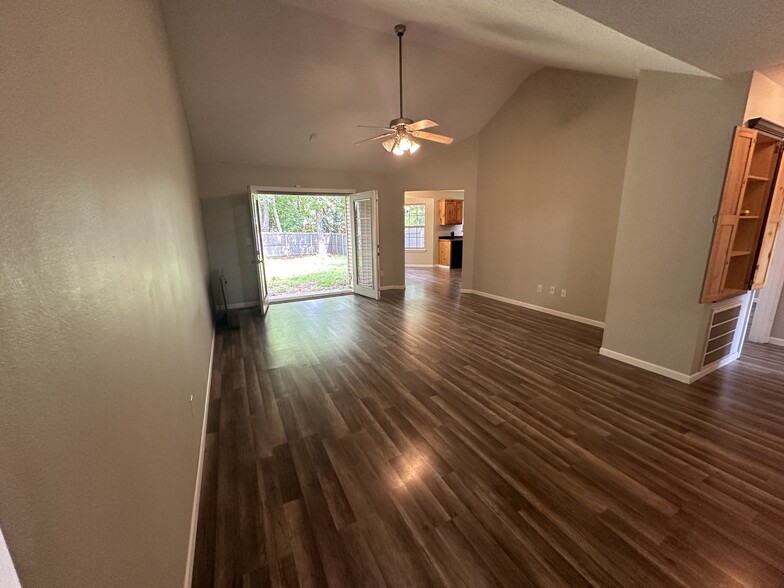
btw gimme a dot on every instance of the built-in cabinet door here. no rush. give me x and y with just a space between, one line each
444 250
450 212
729 210
771 230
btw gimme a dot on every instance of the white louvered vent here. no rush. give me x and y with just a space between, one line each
723 337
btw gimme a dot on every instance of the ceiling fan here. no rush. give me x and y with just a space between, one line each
401 133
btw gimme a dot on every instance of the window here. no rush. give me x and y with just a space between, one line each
414 231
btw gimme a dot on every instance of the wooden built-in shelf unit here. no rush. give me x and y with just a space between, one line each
749 216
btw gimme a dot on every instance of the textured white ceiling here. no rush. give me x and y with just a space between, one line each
285 83
718 36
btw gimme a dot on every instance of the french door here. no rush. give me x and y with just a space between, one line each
262 274
364 243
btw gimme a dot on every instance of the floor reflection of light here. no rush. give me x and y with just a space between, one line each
414 469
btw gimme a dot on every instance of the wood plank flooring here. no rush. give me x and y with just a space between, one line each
434 439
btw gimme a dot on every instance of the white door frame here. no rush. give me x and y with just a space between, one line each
299 191
769 296
261 269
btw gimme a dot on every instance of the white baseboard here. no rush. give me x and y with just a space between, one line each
197 492
646 365
441 266
667 372
712 368
558 313
776 341
240 305
420 265
392 287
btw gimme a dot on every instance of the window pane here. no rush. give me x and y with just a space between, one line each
414 215
414 231
414 238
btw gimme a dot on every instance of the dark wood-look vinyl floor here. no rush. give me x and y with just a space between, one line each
434 439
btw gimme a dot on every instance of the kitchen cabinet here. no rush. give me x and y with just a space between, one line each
749 216
450 252
450 212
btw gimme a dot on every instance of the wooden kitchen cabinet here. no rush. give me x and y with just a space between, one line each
450 212
749 216
450 253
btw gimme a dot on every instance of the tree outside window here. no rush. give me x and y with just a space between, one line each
414 226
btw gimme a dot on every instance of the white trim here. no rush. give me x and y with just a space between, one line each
199 469
714 366
310 296
241 305
8 576
447 267
420 265
298 190
393 287
558 313
776 341
667 372
770 295
646 365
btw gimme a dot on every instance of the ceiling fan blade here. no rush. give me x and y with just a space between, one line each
374 138
374 127
421 124
433 137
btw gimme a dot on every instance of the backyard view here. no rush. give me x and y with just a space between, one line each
305 244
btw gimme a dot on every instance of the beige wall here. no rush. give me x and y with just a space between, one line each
551 166
680 139
224 191
766 99
105 330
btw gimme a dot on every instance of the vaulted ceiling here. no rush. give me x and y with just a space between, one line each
286 82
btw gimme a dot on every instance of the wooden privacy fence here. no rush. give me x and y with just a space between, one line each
300 244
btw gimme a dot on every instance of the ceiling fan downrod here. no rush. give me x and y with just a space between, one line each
400 30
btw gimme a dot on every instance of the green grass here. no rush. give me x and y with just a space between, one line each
289 276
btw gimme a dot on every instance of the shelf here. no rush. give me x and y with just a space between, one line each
739 253
757 178
751 216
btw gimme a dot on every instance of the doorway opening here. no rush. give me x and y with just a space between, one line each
305 243
314 243
765 322
431 220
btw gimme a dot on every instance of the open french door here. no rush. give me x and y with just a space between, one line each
364 243
262 274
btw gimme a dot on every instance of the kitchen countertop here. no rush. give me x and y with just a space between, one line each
455 238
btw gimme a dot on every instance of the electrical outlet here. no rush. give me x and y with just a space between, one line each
539 288
563 292
552 289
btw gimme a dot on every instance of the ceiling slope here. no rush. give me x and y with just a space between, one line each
285 83
719 36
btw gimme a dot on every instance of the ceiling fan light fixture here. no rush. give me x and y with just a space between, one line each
402 131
